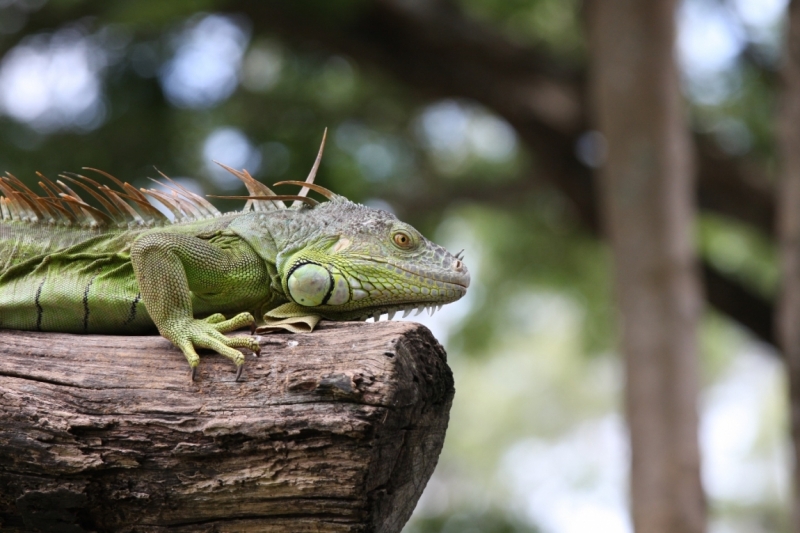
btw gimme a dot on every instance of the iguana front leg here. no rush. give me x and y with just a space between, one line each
171 267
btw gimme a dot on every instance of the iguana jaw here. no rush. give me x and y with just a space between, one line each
357 287
420 303
293 310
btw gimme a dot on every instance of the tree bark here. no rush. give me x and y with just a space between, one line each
788 206
338 430
646 193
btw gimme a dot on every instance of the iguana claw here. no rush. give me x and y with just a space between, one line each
239 372
208 333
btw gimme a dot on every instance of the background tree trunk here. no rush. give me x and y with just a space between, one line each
646 198
338 431
788 207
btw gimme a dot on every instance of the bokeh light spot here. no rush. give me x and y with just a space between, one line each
53 82
205 68
231 147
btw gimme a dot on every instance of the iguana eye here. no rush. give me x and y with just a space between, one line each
403 240
310 284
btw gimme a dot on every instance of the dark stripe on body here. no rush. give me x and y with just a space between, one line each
39 309
86 304
132 314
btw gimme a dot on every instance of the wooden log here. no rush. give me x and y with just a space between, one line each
338 430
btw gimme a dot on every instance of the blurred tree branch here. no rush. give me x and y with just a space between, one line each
545 101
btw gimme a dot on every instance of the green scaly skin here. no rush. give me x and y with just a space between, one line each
337 260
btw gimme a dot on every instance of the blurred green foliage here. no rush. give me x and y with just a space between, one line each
470 522
533 351
535 247
553 24
741 252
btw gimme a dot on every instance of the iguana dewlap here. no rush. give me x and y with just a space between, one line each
125 269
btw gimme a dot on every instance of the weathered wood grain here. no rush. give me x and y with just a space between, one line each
338 430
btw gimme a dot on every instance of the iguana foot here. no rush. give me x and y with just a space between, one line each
208 333
239 321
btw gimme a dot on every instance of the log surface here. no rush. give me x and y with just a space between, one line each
338 430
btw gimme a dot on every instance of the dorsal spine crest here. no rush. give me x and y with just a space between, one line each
130 208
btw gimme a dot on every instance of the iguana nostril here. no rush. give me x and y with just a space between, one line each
458 265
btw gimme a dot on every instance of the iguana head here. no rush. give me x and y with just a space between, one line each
360 262
344 261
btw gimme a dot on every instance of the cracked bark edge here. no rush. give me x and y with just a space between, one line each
338 430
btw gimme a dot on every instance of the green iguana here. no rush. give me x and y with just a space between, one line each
126 268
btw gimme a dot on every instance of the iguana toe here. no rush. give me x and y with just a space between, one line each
243 342
238 322
216 318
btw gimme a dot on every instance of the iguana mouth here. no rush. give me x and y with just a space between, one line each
462 284
458 276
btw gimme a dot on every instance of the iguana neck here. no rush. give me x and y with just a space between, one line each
277 233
